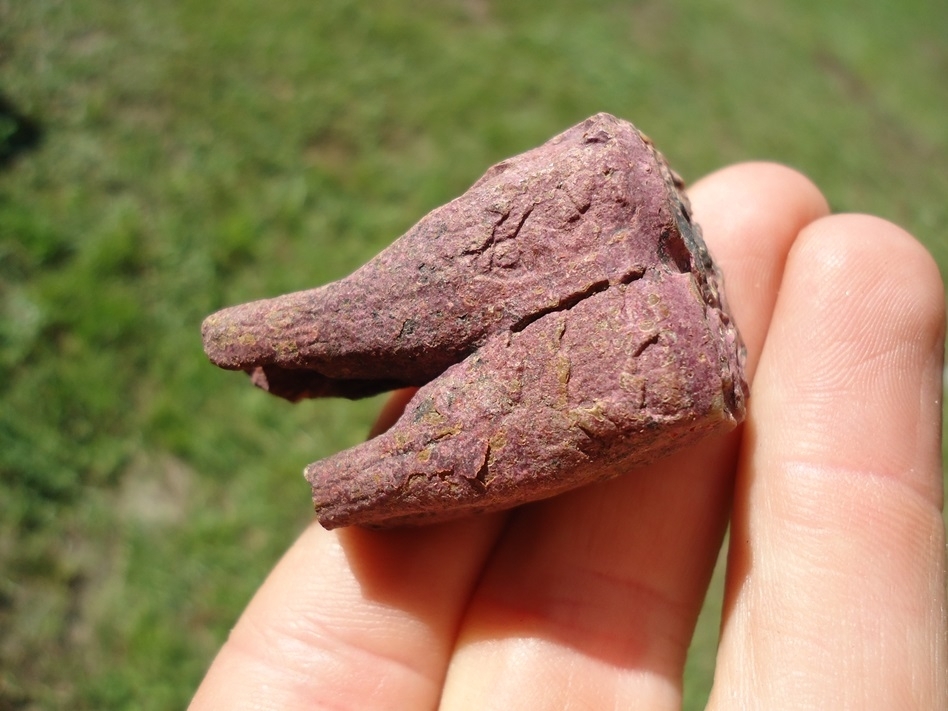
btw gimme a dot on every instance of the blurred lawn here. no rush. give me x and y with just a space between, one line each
196 154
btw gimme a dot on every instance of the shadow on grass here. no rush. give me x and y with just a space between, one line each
18 133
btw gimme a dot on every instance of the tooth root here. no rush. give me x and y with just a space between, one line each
342 339
265 331
585 209
580 395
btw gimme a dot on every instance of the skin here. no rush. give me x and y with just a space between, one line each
836 585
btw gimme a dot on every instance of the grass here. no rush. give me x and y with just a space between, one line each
161 160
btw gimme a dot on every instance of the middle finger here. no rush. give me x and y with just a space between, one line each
592 597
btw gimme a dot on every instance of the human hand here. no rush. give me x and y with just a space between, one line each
836 584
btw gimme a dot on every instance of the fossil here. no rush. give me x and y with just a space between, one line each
563 319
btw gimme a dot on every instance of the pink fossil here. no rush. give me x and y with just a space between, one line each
564 321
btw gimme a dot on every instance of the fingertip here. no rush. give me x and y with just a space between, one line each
854 363
845 247
713 196
765 176
751 214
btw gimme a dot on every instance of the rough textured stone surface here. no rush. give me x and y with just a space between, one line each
564 319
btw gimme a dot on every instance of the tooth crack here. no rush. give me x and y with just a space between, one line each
569 301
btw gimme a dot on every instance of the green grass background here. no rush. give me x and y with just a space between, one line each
206 152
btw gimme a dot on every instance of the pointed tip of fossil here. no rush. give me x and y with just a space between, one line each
233 338
220 336
257 333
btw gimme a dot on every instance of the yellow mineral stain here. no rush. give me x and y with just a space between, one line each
514 386
619 236
498 440
446 432
563 369
634 384
287 348
433 418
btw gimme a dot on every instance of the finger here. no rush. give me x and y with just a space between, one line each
352 620
750 244
591 597
836 580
